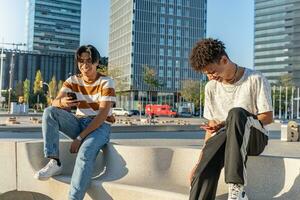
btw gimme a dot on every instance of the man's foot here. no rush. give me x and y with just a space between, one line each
51 169
237 192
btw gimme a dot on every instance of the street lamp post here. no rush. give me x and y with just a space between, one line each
11 75
1 71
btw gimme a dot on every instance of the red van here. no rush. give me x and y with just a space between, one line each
160 110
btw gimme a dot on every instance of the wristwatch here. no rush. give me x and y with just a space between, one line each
79 138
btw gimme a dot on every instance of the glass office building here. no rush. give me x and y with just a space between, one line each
277 39
159 34
53 26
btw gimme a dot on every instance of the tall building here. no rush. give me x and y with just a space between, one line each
277 39
158 34
53 26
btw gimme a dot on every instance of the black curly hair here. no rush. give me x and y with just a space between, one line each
205 52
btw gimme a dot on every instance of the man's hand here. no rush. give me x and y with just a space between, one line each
75 146
213 126
68 102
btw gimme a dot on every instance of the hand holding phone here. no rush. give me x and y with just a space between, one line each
205 126
72 95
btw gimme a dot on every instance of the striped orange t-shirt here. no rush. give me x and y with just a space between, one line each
90 95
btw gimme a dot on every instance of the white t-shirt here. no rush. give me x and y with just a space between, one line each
252 92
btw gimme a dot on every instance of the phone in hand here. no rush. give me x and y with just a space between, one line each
72 95
205 126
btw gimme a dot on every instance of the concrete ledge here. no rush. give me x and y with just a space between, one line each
116 129
8 171
131 172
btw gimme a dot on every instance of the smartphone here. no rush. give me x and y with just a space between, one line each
205 126
72 95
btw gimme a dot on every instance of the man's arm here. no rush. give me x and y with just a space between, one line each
265 118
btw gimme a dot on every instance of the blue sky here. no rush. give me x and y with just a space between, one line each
231 21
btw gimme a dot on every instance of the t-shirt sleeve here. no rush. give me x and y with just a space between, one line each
264 100
208 114
108 91
67 86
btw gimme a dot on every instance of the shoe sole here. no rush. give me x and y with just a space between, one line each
41 178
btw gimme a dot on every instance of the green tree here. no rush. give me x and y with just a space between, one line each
37 87
286 80
149 75
26 90
59 86
190 91
53 87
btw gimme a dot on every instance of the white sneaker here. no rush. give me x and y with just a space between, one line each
237 192
51 169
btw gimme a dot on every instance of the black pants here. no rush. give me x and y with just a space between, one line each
243 135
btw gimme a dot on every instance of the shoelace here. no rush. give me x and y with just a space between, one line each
49 165
234 191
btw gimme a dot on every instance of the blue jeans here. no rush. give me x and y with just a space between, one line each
55 120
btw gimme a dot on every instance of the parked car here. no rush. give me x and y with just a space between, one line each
121 112
160 110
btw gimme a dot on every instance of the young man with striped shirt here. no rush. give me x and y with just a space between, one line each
237 106
94 96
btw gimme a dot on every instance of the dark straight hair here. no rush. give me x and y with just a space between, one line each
91 50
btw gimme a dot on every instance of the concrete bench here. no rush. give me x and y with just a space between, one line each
129 173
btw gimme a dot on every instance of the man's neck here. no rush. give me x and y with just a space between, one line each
91 79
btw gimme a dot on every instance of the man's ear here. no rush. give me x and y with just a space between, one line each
224 60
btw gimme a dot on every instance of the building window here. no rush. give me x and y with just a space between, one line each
161 52
171 11
169 84
171 21
162 41
162 10
178 12
178 43
177 53
169 74
162 30
170 31
170 42
178 33
161 63
162 20
176 84
177 74
170 52
161 73
178 22
177 63
169 63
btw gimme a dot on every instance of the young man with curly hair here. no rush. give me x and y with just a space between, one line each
238 107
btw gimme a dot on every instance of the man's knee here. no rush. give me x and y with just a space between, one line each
237 113
49 110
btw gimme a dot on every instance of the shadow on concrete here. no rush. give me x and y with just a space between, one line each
17 195
293 193
112 167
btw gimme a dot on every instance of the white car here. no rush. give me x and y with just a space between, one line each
121 112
